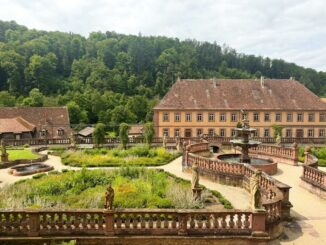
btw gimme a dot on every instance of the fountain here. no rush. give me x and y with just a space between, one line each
243 140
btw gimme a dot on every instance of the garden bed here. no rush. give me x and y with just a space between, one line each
103 157
134 188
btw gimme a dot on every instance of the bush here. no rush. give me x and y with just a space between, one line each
26 146
38 176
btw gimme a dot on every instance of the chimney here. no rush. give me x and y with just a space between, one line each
262 82
214 82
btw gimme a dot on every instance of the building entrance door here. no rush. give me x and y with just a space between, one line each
299 133
188 133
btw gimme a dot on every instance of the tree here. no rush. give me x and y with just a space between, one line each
99 134
35 98
277 130
76 114
148 132
6 99
123 134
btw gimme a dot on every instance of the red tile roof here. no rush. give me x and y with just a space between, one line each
15 125
248 94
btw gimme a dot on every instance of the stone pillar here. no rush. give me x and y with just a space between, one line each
4 157
296 153
109 222
307 150
258 223
34 223
182 224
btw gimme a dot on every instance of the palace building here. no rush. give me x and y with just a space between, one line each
193 107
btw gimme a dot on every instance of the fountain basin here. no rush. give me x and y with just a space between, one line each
265 164
27 169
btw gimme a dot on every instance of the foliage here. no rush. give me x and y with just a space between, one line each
319 152
123 134
135 156
134 188
35 98
277 130
148 132
239 125
99 134
113 78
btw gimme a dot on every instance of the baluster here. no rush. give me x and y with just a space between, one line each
60 223
142 221
246 222
173 223
150 221
127 221
135 221
158 221
223 222
166 221
239 221
231 222
192 221
119 221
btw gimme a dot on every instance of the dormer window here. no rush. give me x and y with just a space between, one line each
44 132
61 132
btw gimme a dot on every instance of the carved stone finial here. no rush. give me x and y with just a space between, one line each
307 149
295 145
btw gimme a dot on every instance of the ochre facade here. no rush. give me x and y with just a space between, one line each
221 123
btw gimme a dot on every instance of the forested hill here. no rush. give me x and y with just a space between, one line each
115 78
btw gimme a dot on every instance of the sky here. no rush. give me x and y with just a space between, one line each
293 30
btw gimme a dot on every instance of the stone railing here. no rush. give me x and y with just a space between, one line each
275 194
313 179
145 222
287 155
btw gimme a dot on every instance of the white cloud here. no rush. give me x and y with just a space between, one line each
294 30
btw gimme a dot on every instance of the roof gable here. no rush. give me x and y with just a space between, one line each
249 94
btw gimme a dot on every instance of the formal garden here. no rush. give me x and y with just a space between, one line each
134 188
21 153
319 152
140 155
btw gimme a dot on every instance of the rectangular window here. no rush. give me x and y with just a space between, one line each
222 117
165 117
244 115
266 132
299 117
266 117
321 133
256 133
233 133
233 117
176 132
222 132
166 132
199 117
310 133
211 117
311 117
177 117
211 132
288 133
199 132
322 117
256 117
278 117
188 117
289 117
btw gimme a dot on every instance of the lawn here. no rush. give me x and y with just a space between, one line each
140 155
15 154
134 188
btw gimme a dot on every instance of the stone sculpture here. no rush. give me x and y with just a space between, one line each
164 141
255 191
196 189
109 197
4 154
278 139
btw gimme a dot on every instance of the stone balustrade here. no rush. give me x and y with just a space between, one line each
287 155
275 194
146 222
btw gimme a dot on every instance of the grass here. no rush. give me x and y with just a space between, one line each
15 154
134 188
136 156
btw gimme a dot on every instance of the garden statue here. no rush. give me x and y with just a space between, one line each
4 154
72 141
196 189
256 202
109 197
164 141
178 142
278 139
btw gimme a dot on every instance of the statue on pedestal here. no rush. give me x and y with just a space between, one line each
255 191
196 189
4 154
109 197
278 139
164 141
